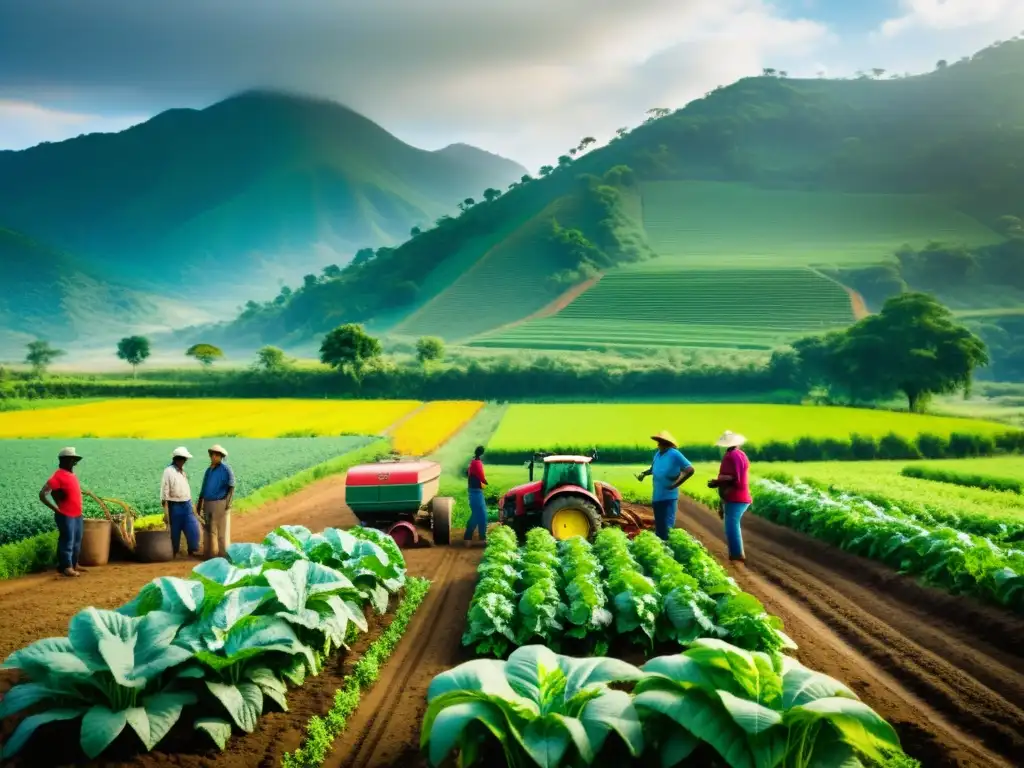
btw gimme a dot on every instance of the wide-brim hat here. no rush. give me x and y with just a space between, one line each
730 439
665 437
217 449
69 453
181 453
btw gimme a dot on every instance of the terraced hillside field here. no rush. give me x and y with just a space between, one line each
712 223
665 306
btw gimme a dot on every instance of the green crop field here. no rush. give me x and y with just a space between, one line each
665 306
131 469
714 224
577 426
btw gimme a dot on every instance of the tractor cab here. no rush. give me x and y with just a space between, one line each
560 471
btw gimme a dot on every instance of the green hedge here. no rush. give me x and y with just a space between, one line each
30 555
855 448
968 479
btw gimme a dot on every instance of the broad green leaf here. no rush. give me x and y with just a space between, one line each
166 593
154 651
677 745
220 572
486 676
217 729
162 711
100 727
244 702
857 724
447 727
613 711
104 637
29 725
22 696
584 672
54 655
801 685
546 739
752 717
246 555
526 667
264 634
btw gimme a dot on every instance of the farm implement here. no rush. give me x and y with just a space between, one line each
566 500
400 498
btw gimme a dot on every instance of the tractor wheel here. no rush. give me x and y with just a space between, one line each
568 516
441 519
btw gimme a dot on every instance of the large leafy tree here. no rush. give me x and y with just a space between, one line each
206 354
271 359
429 348
914 346
349 346
41 355
134 350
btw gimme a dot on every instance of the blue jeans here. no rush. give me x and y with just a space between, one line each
69 540
477 514
733 535
664 517
182 520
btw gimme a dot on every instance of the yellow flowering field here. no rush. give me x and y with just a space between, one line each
432 425
158 419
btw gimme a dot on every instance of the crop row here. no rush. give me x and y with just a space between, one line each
978 480
713 704
131 469
571 595
954 560
225 642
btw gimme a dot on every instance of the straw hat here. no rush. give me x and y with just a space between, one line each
217 449
730 439
665 437
68 453
181 453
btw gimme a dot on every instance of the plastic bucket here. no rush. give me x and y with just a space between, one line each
153 546
95 542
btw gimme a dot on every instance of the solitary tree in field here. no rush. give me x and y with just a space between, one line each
133 350
429 348
914 346
41 355
349 346
206 354
271 359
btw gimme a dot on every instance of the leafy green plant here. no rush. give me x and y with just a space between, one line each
584 610
109 671
537 708
754 711
635 601
490 626
540 601
968 479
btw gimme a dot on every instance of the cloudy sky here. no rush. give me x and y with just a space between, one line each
525 78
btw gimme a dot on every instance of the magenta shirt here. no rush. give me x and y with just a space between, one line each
736 464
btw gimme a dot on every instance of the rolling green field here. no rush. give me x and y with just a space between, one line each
717 224
660 305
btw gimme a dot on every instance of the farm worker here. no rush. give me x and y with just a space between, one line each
66 493
477 503
734 490
670 469
176 497
214 505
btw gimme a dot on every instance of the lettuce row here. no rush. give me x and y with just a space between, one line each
635 602
739 708
490 626
537 615
953 560
230 638
584 608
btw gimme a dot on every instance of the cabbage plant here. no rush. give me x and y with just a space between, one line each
756 711
538 707
109 671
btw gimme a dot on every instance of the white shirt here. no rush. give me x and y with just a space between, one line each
174 485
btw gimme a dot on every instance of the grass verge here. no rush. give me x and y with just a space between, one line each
322 731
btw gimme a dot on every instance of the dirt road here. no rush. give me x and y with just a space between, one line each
948 673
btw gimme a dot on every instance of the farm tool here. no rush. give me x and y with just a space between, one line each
399 497
567 501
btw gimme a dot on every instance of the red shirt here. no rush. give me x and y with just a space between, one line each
476 474
70 505
736 464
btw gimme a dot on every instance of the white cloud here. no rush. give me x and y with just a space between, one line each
953 14
24 124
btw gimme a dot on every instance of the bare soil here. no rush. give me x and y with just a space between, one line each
560 303
946 671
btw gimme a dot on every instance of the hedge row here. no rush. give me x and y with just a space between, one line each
967 479
856 448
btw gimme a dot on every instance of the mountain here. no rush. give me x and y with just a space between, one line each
47 293
752 216
226 201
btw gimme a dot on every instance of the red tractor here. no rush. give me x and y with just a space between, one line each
566 500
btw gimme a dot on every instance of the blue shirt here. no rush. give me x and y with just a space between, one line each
217 481
665 468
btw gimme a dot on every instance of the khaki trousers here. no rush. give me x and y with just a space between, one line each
218 528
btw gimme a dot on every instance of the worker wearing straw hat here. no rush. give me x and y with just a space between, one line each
64 489
670 469
734 490
176 499
214 506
